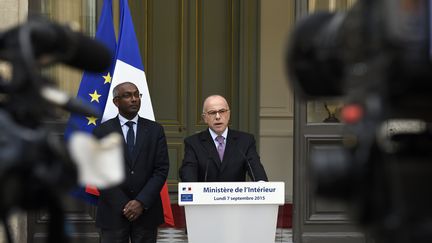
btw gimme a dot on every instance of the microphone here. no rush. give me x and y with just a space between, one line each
248 164
52 42
67 102
206 170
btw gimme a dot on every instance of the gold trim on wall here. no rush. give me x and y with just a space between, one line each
230 53
179 120
178 147
351 3
229 50
181 104
180 107
250 58
198 50
329 5
82 16
147 19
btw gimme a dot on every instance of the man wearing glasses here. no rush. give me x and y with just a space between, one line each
133 211
220 153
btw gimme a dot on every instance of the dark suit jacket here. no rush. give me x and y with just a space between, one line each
146 172
201 161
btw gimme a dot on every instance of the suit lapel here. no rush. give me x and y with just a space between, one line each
117 128
140 140
116 125
210 147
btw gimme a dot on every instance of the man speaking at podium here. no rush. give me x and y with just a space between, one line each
219 153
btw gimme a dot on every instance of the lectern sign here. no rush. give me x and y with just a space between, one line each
211 193
235 212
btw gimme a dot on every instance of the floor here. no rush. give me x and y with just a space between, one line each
174 235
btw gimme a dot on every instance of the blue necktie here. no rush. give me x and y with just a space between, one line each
130 137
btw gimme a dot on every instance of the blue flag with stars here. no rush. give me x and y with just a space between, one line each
94 89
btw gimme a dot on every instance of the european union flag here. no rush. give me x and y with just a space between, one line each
94 88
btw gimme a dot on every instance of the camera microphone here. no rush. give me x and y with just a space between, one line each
252 175
67 102
52 42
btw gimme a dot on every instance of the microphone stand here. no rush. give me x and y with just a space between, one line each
252 175
206 170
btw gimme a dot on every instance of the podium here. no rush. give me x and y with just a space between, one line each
231 212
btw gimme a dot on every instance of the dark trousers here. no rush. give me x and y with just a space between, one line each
136 234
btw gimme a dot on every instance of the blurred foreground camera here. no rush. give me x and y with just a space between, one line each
36 168
376 58
378 47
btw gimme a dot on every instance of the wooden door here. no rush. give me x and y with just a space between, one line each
316 220
190 49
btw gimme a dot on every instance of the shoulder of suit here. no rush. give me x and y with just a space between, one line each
142 119
240 135
237 133
204 134
198 136
105 127
148 122
108 122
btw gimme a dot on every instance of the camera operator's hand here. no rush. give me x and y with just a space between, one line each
132 210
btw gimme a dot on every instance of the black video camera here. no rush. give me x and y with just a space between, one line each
375 57
35 166
378 46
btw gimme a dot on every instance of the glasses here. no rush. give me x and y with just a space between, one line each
129 95
212 114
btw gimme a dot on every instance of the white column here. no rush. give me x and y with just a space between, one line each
276 97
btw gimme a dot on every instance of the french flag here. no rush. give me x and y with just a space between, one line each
127 67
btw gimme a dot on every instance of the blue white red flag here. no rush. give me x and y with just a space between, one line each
127 67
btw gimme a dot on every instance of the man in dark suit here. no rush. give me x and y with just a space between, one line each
134 210
220 153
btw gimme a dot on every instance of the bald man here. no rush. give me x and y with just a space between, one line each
219 153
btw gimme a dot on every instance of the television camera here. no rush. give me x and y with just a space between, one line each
376 58
35 166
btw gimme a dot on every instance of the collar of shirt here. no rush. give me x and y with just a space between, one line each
124 127
123 120
214 135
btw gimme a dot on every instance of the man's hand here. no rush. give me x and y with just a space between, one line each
132 210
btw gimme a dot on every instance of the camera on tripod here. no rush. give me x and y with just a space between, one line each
376 58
